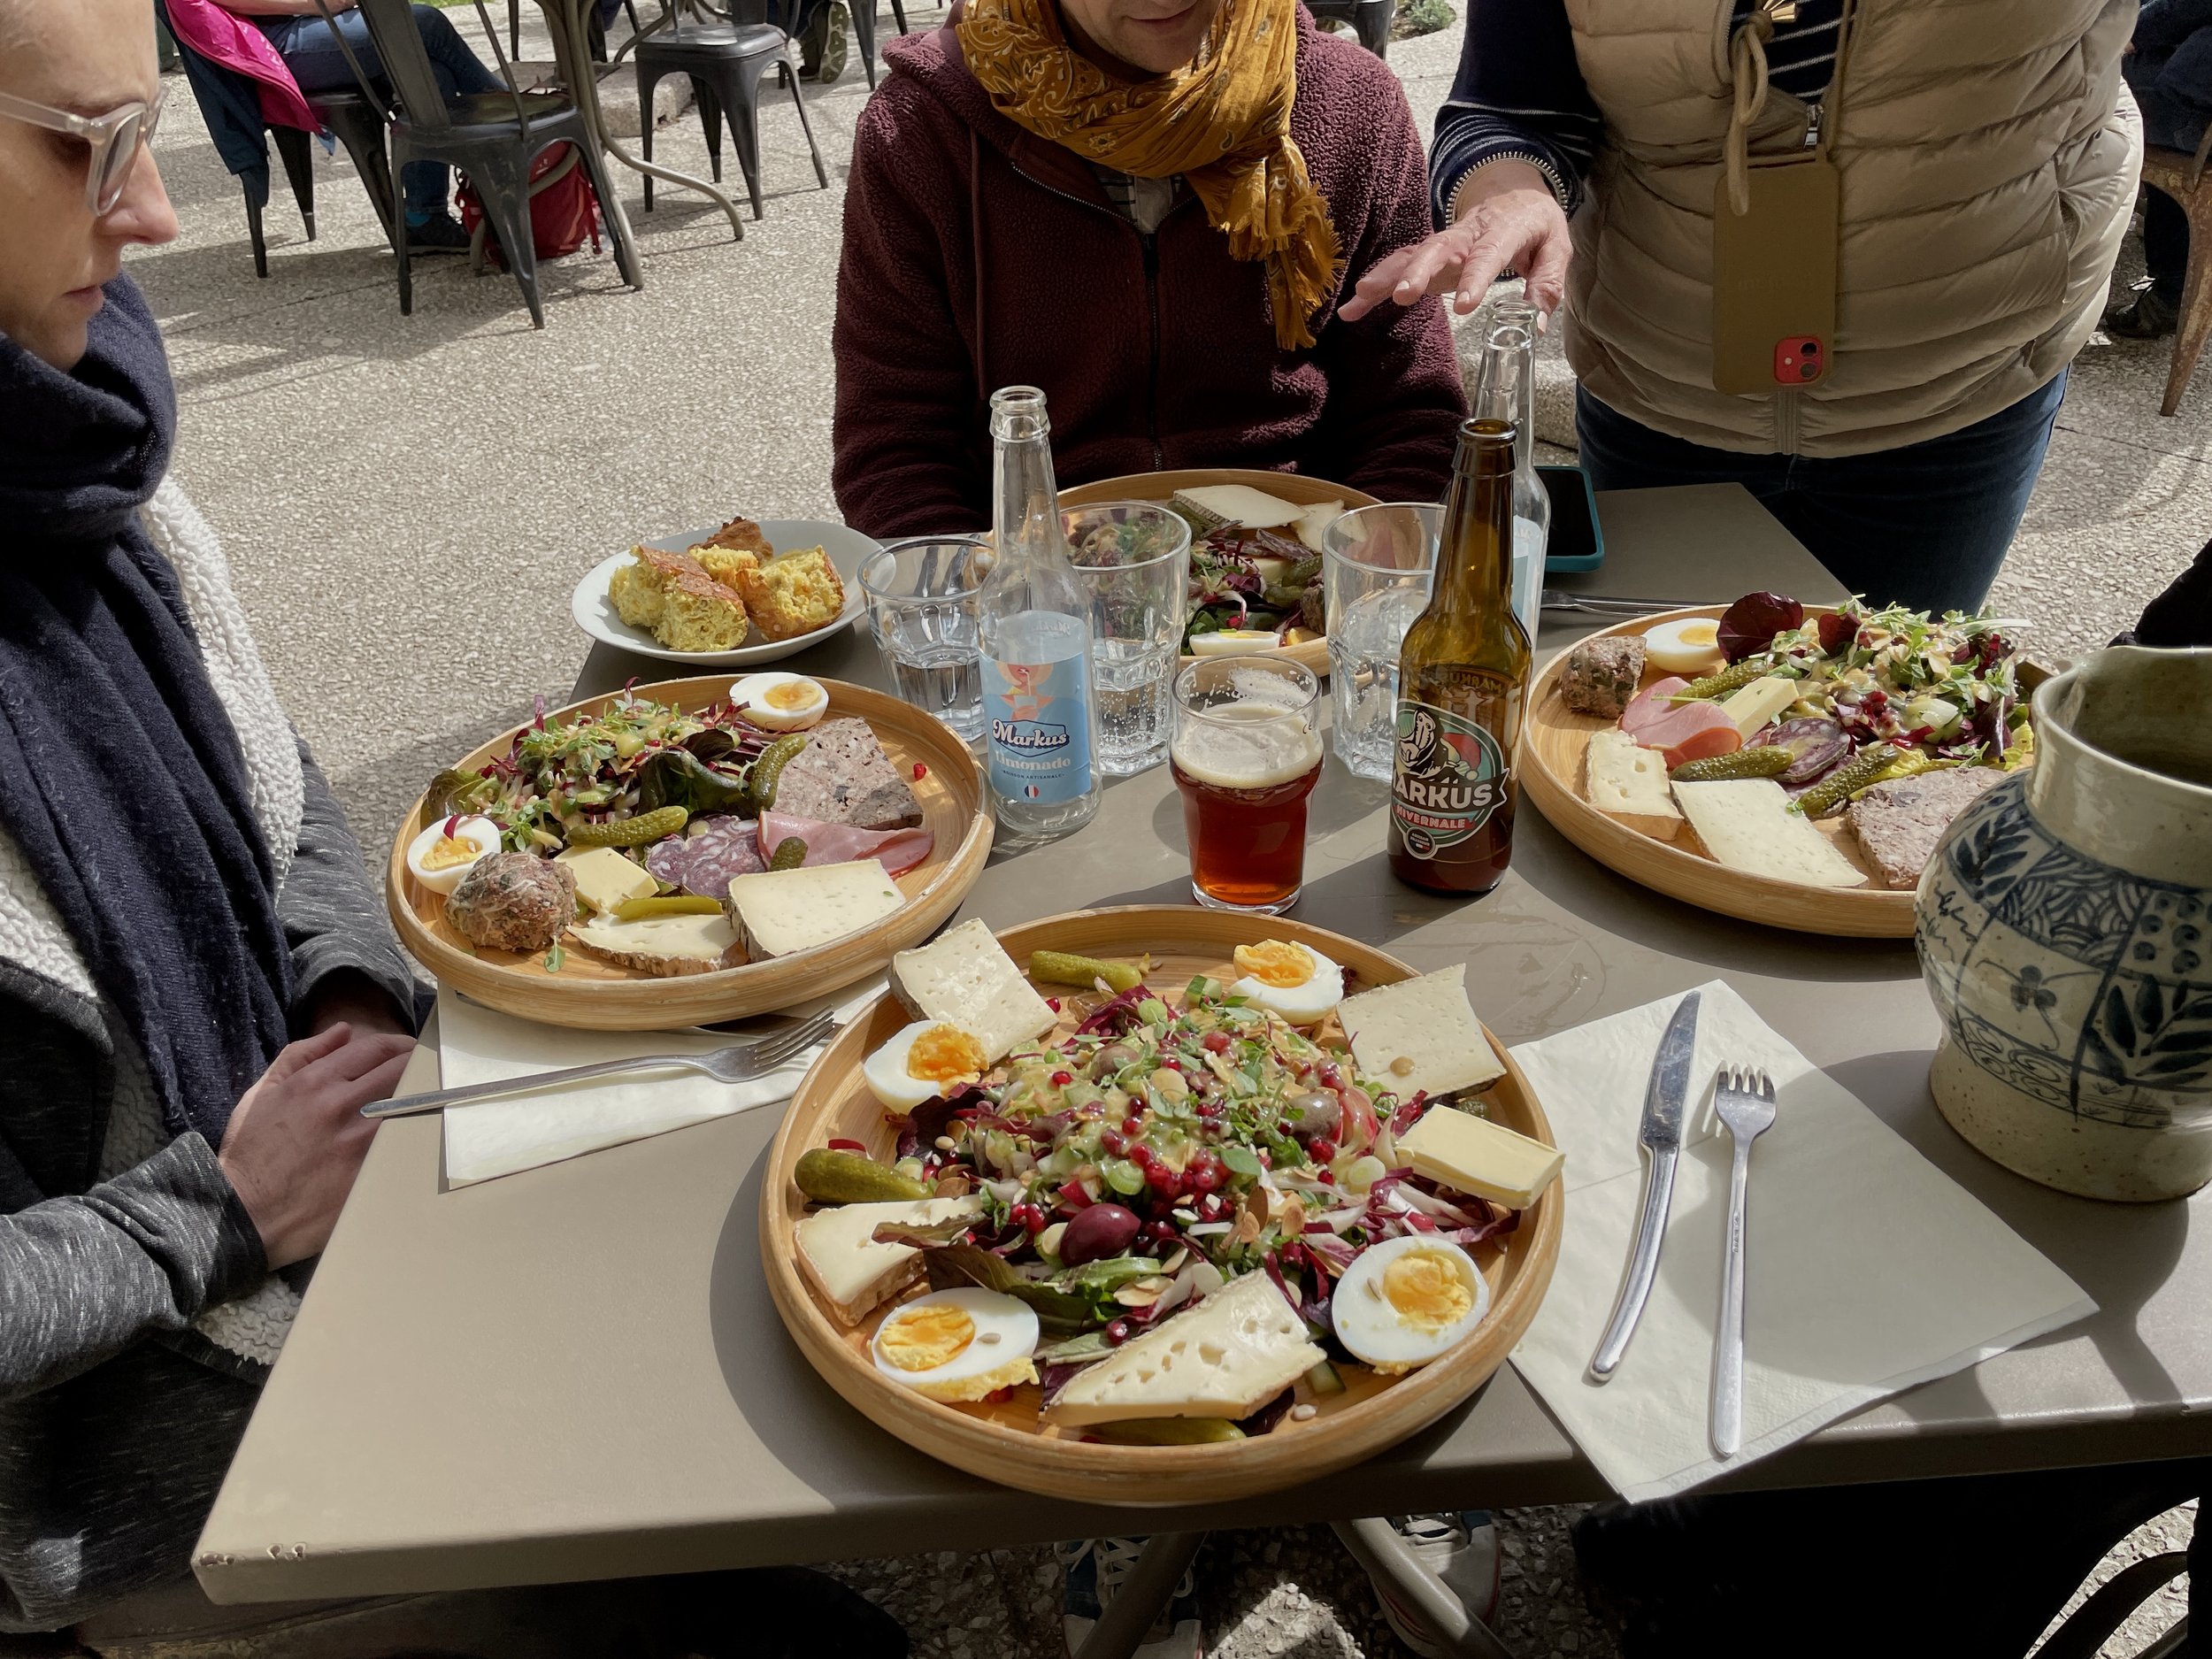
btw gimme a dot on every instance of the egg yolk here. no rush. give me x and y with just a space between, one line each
943 1053
1272 961
927 1337
788 694
1425 1291
1699 634
449 850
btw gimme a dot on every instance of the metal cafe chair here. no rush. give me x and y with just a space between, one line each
725 62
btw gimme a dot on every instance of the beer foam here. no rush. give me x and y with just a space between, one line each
1248 745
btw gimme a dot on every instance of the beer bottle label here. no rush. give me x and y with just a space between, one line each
1450 777
1041 729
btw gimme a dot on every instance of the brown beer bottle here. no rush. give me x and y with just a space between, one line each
1462 673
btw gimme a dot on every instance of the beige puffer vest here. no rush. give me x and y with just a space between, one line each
1988 163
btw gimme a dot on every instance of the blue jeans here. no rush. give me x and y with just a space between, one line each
317 64
1925 524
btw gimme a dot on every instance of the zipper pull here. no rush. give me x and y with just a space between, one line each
1812 129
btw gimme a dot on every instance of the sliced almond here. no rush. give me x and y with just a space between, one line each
1136 1296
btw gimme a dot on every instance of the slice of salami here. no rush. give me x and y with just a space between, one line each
702 859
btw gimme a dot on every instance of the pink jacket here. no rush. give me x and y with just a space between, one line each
237 45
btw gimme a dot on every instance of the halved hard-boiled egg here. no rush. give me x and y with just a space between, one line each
441 855
1406 1301
1294 980
780 702
1233 641
1689 645
954 1345
922 1061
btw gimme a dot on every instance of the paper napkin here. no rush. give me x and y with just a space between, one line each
1868 1270
521 1132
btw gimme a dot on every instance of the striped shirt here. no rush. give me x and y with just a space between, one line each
1144 203
1519 93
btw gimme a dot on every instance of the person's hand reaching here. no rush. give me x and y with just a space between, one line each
297 1137
1508 219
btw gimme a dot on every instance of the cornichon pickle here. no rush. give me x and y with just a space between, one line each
635 831
1303 574
760 781
789 854
852 1178
1059 967
1166 1432
1743 762
1733 678
1838 786
666 904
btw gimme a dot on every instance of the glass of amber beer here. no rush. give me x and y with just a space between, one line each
1246 754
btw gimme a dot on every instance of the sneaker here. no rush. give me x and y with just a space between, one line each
2150 315
836 23
441 234
1096 1568
1461 1549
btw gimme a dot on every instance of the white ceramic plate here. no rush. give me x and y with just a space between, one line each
848 550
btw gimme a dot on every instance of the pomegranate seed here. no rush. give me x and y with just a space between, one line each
1162 1231
1322 1148
1216 1041
847 1146
1113 1143
1117 1332
920 772
1061 1080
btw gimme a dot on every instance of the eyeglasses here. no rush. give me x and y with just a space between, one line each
112 139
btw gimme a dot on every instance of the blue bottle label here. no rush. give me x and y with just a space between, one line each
1040 730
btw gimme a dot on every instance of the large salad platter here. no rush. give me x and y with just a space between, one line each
688 851
1242 567
1783 764
1172 1247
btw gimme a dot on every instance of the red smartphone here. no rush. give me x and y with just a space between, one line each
1800 360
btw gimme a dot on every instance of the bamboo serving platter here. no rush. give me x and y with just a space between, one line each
1294 487
599 996
1006 1442
1666 855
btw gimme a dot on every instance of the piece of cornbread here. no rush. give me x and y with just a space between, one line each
793 593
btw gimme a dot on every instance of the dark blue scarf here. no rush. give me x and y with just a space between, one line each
121 777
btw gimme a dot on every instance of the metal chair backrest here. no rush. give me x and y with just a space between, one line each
391 25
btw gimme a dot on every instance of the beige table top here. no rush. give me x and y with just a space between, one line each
577 1372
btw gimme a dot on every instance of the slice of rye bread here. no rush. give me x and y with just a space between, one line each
842 776
1900 822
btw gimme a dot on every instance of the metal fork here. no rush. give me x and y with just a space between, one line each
1744 1102
739 1064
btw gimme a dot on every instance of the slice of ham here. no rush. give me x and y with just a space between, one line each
898 850
1650 704
1691 733
703 860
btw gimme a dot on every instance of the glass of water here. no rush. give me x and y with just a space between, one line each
1377 564
1133 560
922 607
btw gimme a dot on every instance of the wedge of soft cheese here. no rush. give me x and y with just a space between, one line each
605 879
779 911
1747 824
1420 1034
841 1260
965 978
1758 703
1241 503
665 945
1226 1358
1314 522
1457 1149
1626 777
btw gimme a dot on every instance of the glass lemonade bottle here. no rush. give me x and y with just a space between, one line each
1462 676
1039 697
1505 390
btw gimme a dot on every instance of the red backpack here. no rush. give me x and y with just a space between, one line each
563 207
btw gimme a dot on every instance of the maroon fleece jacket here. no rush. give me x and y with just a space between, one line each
978 256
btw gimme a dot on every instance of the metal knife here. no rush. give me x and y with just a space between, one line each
1609 604
1665 1099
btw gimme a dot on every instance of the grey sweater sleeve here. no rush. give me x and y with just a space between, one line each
332 914
88 1275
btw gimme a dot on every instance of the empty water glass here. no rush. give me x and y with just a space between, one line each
1133 560
922 607
1376 566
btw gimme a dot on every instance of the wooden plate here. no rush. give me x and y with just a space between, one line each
1006 1442
1666 856
600 997
1294 487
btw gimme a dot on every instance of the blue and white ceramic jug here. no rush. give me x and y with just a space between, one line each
2065 931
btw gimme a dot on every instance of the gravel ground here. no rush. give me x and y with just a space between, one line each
408 501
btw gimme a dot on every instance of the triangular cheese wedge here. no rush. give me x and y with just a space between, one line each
1226 1358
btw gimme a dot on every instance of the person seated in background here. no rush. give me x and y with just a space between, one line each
287 47
2169 68
1145 208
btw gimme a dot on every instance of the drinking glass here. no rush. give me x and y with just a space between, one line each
1246 754
922 607
1133 560
1377 564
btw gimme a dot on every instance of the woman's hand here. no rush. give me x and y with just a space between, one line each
297 1138
1507 219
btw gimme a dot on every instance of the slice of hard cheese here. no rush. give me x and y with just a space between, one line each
779 911
604 878
1757 703
839 1254
965 978
1226 1358
665 945
1747 824
1626 777
1314 522
1457 1149
1241 503
1420 1034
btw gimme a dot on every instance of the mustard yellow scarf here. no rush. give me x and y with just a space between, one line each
1222 121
